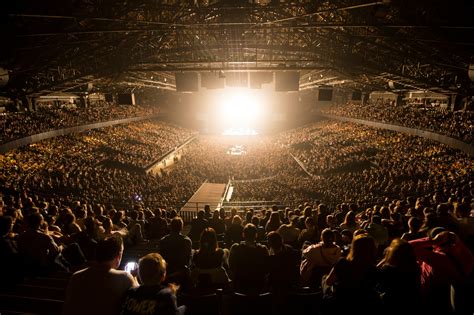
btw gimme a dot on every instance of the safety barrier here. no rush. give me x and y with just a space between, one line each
171 152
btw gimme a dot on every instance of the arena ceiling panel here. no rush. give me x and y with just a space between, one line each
64 45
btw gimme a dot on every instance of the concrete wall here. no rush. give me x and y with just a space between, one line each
454 143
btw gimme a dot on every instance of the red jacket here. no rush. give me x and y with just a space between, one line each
442 267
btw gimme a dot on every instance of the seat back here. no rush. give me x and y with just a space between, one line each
48 282
305 302
38 292
250 304
21 304
200 304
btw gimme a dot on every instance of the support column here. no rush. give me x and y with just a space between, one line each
27 103
18 105
454 102
83 102
365 98
399 100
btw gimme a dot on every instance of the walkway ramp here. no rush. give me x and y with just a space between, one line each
208 194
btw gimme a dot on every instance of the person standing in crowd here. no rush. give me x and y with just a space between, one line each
234 231
99 289
350 222
290 232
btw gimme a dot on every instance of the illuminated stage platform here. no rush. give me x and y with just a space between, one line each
240 132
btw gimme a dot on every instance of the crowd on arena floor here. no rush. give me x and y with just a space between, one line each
384 218
21 124
210 159
456 124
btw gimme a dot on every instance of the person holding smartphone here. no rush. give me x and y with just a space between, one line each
99 288
151 297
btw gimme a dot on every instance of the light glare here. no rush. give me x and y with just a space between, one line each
239 106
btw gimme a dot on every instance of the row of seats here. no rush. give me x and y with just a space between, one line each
41 295
45 295
304 301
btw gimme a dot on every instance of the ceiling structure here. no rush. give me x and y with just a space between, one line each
65 45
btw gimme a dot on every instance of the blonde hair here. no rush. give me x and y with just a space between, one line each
152 268
401 254
363 250
237 220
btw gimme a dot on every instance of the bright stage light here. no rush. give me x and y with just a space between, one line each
239 106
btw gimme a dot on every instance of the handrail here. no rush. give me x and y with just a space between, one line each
253 179
169 153
224 195
303 167
188 215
